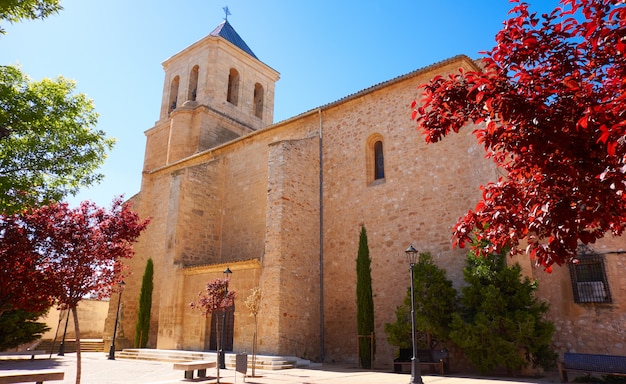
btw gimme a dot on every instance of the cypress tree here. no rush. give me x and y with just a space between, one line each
142 328
365 301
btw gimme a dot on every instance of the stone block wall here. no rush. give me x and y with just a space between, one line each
243 210
156 146
426 188
291 263
199 226
91 317
587 327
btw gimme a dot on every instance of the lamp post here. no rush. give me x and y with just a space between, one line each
416 374
117 317
222 357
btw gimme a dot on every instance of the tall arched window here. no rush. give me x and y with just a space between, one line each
193 84
379 160
374 158
233 87
173 94
258 100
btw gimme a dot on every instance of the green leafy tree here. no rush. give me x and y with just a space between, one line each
364 301
142 329
435 301
48 147
17 10
19 327
399 332
501 323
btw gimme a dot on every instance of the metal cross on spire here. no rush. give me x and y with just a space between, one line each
227 12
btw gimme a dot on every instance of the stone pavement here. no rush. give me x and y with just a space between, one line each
97 369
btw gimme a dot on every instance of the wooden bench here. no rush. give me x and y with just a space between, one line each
190 366
591 363
31 377
426 357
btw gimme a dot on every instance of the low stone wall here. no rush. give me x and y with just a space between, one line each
91 316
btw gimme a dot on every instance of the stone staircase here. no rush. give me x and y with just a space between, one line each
86 345
263 362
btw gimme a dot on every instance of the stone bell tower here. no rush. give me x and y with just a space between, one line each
214 91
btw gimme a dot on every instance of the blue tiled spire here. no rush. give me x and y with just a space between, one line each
226 31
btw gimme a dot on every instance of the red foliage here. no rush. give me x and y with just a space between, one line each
216 297
23 285
64 254
551 111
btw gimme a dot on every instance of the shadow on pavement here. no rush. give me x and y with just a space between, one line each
18 364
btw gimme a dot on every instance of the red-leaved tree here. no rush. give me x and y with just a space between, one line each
215 298
23 283
76 251
551 109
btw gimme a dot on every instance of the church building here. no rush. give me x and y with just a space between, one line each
281 204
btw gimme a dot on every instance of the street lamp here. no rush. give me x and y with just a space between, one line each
221 356
117 317
416 375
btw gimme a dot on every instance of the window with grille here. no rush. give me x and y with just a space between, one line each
589 281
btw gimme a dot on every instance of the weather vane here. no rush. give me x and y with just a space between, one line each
227 12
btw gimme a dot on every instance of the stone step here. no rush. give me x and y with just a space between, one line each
86 345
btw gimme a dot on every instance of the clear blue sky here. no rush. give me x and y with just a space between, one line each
324 50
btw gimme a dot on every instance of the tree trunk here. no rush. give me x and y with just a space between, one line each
219 345
77 332
254 345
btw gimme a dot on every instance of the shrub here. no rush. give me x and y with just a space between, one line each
501 324
435 301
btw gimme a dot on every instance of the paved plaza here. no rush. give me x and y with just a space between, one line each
97 369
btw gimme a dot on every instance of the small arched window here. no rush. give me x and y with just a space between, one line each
258 100
173 94
375 158
379 160
233 87
193 84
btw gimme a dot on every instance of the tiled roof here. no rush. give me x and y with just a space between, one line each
227 31
417 72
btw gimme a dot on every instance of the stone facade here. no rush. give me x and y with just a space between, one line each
588 327
91 317
282 205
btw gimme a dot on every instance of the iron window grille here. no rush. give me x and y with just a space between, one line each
589 281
